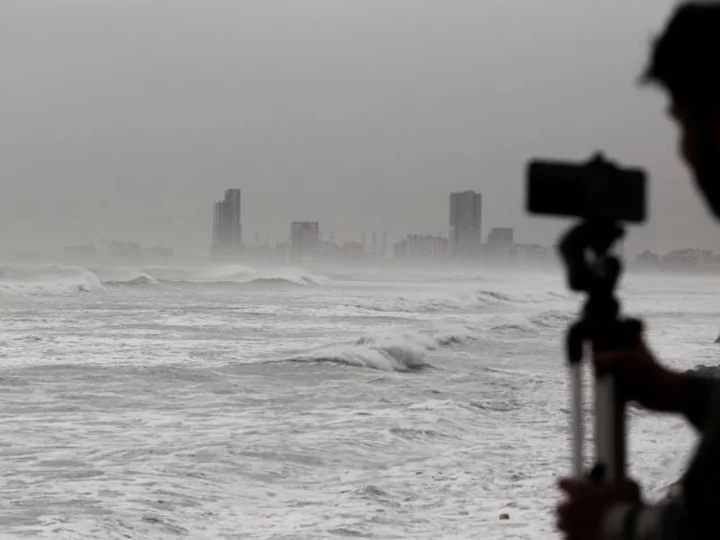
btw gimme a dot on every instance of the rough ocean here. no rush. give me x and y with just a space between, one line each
232 402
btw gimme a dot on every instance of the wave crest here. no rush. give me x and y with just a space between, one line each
125 277
47 280
242 275
475 300
51 279
393 352
551 319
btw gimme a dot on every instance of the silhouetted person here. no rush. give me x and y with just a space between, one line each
686 63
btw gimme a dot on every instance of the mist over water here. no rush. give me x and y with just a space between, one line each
225 401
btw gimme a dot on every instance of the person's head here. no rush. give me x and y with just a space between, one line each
685 61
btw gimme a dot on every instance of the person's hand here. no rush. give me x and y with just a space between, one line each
641 378
580 516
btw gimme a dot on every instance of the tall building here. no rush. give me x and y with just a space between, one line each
501 241
304 237
501 236
227 228
466 223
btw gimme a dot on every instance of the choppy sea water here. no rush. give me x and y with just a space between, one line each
230 402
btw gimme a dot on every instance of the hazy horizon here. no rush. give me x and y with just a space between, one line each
128 120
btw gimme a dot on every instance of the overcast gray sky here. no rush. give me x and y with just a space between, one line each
128 118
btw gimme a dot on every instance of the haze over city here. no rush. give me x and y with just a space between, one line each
126 120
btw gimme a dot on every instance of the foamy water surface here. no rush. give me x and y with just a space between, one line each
233 402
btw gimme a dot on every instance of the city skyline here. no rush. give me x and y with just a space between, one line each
306 240
464 236
306 237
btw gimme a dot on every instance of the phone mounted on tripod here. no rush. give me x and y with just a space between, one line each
603 196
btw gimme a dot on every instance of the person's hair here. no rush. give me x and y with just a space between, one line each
685 59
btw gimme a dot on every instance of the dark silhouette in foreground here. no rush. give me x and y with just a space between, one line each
684 62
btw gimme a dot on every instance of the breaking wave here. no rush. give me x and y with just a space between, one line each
243 275
392 352
49 279
470 301
138 281
60 279
124 277
551 319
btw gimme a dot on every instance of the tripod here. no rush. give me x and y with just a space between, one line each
585 251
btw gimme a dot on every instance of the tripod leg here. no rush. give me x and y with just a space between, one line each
609 429
575 343
576 419
610 418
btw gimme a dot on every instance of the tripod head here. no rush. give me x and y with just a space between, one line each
585 252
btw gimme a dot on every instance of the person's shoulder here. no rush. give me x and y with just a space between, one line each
673 491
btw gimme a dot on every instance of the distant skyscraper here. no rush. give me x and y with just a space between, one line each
501 240
304 237
501 236
466 222
227 228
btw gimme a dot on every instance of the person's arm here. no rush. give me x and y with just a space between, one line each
692 515
701 483
694 394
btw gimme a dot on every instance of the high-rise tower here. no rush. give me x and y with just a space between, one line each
466 223
227 227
